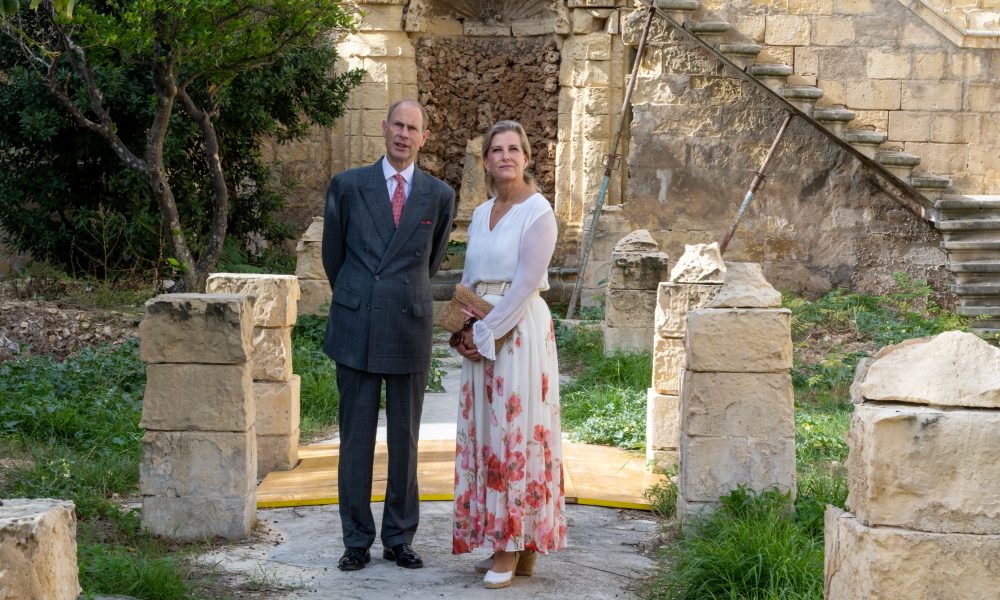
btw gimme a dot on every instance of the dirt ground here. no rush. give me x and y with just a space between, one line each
33 327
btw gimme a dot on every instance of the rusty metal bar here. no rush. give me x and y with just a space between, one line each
758 178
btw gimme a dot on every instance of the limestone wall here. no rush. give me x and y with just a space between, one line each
824 218
898 68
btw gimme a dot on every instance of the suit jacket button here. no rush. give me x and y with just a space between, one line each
377 278
368 307
404 309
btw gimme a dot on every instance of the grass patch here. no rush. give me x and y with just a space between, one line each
606 401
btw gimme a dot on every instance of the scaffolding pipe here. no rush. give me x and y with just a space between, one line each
758 179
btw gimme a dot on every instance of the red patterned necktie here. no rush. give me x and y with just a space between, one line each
398 198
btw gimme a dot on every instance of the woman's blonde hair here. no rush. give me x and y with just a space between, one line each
502 127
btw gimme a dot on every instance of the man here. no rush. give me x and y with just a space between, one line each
385 232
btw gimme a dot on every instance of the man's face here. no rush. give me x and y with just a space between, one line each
404 135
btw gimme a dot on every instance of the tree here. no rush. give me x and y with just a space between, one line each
200 57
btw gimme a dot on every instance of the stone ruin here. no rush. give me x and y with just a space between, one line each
276 388
637 267
198 473
38 550
923 505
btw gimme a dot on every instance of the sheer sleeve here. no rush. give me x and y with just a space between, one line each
538 242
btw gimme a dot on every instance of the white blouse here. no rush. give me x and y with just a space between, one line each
517 250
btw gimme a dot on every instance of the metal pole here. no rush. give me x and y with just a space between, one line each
758 178
609 164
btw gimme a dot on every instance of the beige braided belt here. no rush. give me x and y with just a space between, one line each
496 288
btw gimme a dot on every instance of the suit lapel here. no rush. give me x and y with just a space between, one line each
376 197
415 206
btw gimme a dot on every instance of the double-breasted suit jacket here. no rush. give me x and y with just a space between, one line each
381 313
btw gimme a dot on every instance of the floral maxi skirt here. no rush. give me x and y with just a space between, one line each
508 463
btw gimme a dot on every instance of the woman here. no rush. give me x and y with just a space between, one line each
508 468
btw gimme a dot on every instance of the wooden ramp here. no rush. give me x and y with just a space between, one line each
598 475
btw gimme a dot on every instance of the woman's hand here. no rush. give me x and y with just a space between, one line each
467 347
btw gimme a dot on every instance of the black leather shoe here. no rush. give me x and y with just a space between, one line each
404 556
354 559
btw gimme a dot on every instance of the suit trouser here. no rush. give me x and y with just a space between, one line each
359 400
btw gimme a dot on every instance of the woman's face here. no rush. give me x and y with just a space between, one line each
505 159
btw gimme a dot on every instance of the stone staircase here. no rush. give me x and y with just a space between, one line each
970 225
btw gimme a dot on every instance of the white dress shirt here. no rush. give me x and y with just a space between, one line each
390 178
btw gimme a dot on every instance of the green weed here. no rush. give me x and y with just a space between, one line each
662 497
752 547
606 401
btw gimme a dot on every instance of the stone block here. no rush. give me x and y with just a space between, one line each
663 418
929 65
739 340
935 96
277 452
927 371
832 31
277 406
889 563
909 126
981 97
530 27
627 339
674 301
197 463
309 260
955 128
787 30
700 263
711 467
38 550
924 468
196 397
272 353
756 405
669 358
274 296
200 518
630 308
888 65
688 509
662 460
744 286
638 270
382 18
316 296
197 328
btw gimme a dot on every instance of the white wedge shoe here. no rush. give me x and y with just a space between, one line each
495 581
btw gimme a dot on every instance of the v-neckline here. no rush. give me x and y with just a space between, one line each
500 220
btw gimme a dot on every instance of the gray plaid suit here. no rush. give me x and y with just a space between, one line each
379 329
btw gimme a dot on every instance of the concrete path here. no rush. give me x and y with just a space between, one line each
300 546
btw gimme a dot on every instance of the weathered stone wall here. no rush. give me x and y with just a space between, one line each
902 69
825 218
467 84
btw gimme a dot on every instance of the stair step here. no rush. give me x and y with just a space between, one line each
929 181
978 311
960 202
771 70
898 163
678 4
970 245
802 97
865 140
984 332
978 266
741 54
968 225
708 27
835 115
977 289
